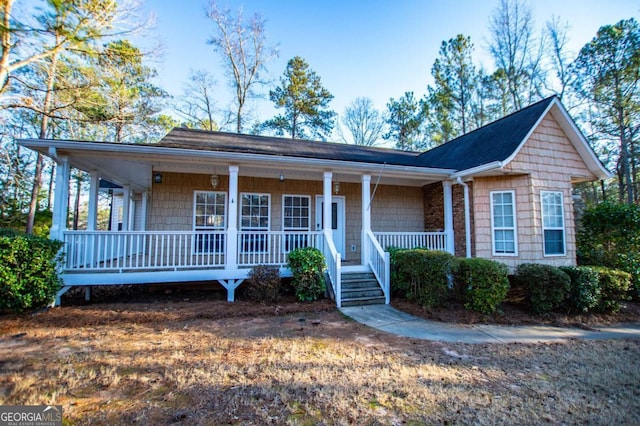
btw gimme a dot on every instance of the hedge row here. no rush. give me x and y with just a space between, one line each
431 277
28 271
576 289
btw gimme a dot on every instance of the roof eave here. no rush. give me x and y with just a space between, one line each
43 145
467 173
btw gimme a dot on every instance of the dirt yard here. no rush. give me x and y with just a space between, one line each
189 358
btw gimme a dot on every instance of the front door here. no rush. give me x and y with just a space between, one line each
337 222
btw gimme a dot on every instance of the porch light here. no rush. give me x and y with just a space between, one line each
336 187
157 177
281 177
215 180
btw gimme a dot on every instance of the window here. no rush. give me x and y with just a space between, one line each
295 217
503 223
254 216
209 211
553 223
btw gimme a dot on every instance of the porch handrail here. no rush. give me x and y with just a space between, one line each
407 240
334 266
380 263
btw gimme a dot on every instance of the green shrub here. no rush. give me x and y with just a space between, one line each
423 275
609 236
481 284
307 266
615 285
28 271
546 286
585 292
264 284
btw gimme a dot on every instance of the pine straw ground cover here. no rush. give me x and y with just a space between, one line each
196 362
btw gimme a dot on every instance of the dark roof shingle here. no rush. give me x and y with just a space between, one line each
250 144
494 142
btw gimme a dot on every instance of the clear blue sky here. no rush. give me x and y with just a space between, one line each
378 49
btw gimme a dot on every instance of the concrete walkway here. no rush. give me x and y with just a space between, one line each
390 320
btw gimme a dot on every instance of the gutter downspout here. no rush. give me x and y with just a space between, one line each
467 218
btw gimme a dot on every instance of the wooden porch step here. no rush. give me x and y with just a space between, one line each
361 288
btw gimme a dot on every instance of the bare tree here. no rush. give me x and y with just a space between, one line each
198 106
363 121
242 47
558 56
514 50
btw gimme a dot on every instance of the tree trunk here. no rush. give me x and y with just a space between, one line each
6 45
634 169
44 124
239 118
626 169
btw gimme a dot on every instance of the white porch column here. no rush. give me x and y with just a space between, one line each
61 199
366 218
448 217
132 212
126 206
326 208
145 201
94 187
231 255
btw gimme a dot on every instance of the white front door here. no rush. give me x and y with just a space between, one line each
337 223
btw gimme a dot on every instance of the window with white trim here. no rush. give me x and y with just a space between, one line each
553 223
254 216
503 223
296 219
209 216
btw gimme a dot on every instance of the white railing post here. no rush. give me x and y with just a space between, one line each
387 276
231 252
366 217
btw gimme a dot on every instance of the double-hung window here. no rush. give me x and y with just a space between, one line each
209 221
553 223
254 222
503 223
296 213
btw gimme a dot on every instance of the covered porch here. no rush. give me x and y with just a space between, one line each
172 232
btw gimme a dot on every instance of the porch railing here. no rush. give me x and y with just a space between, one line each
429 240
334 266
272 247
138 250
173 250
380 264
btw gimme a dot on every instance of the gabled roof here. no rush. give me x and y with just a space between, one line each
495 142
249 144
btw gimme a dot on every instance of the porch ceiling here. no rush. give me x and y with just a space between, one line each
134 164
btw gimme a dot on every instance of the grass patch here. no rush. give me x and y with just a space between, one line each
172 363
